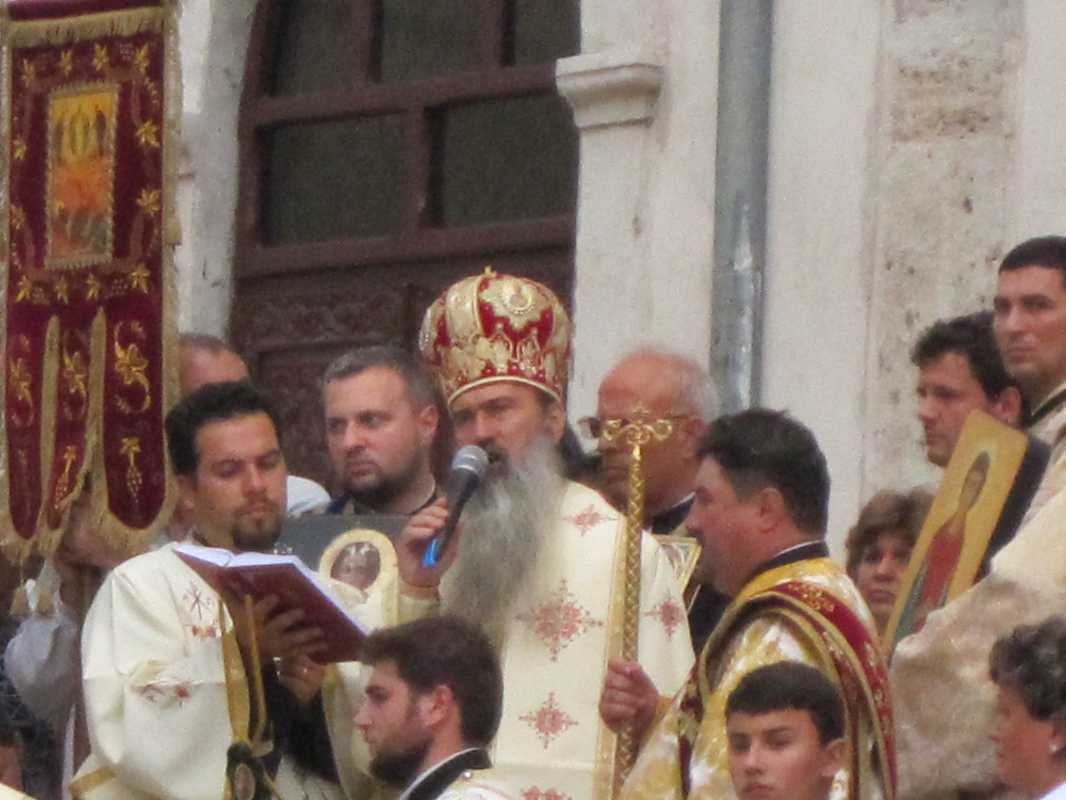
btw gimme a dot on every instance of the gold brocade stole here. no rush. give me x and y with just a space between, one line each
245 777
840 638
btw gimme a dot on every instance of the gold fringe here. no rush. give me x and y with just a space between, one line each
173 112
87 26
15 548
47 538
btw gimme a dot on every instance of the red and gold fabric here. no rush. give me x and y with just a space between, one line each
807 611
493 327
88 120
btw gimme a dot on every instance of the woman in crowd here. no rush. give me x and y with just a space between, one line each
879 547
1028 666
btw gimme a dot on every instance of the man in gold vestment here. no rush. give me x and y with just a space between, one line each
760 513
540 559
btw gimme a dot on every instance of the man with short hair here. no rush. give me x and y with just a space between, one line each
660 385
785 724
1030 328
205 359
168 663
959 370
760 510
540 559
381 419
432 707
942 692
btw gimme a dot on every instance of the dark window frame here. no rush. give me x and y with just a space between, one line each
419 239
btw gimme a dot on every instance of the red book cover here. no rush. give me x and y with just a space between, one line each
292 582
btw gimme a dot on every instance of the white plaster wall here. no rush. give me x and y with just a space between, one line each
646 194
818 240
872 162
1038 202
214 40
947 147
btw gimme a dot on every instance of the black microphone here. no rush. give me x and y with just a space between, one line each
469 465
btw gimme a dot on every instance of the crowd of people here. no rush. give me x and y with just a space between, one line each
760 670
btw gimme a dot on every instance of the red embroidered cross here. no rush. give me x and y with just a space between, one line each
587 519
559 620
669 613
197 602
549 720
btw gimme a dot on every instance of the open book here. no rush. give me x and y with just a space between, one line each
296 586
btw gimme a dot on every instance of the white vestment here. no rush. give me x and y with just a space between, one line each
161 714
562 632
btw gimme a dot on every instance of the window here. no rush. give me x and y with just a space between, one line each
389 147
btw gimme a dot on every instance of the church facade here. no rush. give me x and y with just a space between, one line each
788 192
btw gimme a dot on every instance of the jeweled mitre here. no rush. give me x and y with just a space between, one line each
492 327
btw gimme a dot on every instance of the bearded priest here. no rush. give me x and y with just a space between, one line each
540 559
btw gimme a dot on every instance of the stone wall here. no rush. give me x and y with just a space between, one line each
911 143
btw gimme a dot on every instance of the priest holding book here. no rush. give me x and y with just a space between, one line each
183 695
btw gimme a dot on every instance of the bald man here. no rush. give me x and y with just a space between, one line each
672 387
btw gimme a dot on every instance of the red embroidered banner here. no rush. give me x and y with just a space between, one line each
88 282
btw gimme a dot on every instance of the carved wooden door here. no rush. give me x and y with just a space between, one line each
389 148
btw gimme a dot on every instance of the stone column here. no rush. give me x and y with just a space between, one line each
643 92
214 41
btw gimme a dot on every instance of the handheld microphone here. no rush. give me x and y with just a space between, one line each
469 465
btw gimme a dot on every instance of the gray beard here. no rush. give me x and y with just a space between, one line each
503 529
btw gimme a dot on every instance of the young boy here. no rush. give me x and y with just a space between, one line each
785 724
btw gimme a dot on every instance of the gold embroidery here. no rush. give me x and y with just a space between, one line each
140 59
148 134
20 148
148 201
101 59
66 62
75 382
92 287
131 366
24 289
70 455
62 291
21 380
29 72
815 598
131 448
138 279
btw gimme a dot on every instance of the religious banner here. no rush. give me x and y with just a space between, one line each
987 486
89 106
